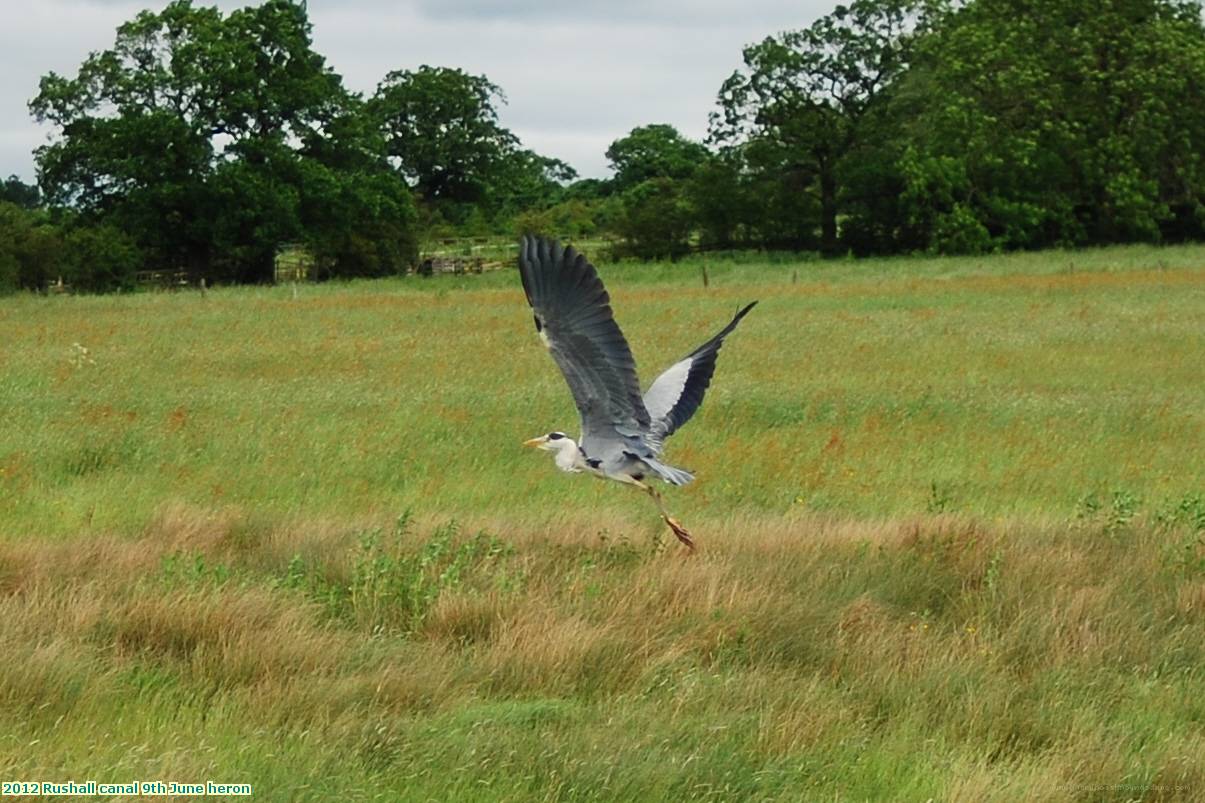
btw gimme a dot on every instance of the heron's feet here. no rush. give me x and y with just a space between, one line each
681 532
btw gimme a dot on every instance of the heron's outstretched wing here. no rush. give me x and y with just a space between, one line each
675 395
572 313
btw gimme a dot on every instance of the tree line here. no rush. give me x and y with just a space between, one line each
202 142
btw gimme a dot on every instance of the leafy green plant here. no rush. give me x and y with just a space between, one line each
1087 506
1113 516
1122 511
940 499
991 577
1187 553
1188 512
396 579
191 569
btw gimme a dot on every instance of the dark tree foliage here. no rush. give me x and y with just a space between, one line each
983 125
204 140
722 205
1059 122
585 208
31 248
442 134
656 220
654 151
15 191
588 189
211 140
525 180
572 219
99 258
442 130
799 108
654 166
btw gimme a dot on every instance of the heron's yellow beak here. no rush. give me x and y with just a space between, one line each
534 442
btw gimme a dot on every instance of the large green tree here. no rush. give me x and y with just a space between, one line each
441 128
1045 122
442 134
654 151
798 109
211 139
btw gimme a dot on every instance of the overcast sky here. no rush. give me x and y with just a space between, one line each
576 75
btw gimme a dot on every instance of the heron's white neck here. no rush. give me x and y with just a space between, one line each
568 457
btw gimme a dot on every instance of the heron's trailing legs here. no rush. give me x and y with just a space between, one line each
681 532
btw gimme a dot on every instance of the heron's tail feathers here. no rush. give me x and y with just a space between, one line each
672 475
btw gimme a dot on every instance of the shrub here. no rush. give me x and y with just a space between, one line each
656 221
100 258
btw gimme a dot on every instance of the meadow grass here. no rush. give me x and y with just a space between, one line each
951 516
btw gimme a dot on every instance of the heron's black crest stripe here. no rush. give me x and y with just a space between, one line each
555 436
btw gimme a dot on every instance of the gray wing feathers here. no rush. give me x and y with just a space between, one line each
572 311
675 395
667 389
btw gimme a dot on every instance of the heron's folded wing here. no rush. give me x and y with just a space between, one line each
675 395
572 313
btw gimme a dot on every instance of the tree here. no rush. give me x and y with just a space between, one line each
1059 122
99 258
14 223
656 220
198 135
525 180
14 191
441 127
136 127
800 103
654 151
442 134
30 249
588 189
359 223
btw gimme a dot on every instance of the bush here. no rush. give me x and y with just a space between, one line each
30 249
10 265
656 221
100 258
367 227
573 218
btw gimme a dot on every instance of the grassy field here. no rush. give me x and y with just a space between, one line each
951 517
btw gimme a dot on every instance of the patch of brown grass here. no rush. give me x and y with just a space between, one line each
1016 644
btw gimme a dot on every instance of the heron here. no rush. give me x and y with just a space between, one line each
622 432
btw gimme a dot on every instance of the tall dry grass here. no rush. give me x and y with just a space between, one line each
940 656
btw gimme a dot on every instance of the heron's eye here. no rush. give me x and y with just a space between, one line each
555 436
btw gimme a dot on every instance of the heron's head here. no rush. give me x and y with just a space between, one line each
552 442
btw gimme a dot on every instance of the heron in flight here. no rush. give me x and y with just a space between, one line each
622 431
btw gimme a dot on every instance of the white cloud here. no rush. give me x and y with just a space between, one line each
576 76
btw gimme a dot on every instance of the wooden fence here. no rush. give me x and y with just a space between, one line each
480 254
164 279
294 263
455 255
